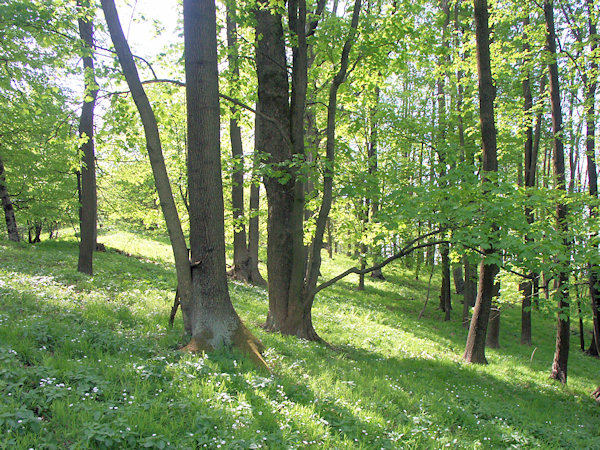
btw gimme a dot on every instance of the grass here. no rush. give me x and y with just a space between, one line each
89 362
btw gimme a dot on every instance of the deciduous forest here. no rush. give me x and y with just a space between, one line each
299 224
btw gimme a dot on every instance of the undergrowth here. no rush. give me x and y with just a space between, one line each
89 362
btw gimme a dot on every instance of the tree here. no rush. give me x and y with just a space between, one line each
88 207
9 212
202 284
214 320
240 270
475 348
292 278
561 354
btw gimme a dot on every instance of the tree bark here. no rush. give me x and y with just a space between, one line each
561 354
286 311
214 321
493 335
88 206
475 348
9 212
157 162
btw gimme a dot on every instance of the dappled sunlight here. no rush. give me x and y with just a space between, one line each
92 359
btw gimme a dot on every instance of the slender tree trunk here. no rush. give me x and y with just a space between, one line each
253 224
372 155
590 146
475 348
561 355
88 206
215 322
470 290
240 270
445 294
9 212
530 164
314 260
157 162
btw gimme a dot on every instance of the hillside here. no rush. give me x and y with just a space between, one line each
91 363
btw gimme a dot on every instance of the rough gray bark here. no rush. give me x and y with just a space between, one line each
214 321
157 162
291 277
475 348
88 206
561 354
9 212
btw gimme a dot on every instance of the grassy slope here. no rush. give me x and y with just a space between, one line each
89 362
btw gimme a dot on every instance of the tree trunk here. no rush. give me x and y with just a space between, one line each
88 206
493 335
561 355
372 164
475 348
530 164
459 282
590 145
445 293
287 313
214 320
240 270
470 290
253 230
9 212
157 162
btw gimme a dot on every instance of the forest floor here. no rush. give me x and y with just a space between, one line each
89 362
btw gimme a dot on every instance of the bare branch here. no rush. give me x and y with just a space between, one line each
407 249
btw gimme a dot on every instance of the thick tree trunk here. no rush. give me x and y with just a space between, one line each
9 212
475 348
561 355
88 206
285 252
240 270
157 162
214 320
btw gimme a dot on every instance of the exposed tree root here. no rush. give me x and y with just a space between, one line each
242 340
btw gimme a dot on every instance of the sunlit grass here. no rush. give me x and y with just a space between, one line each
89 362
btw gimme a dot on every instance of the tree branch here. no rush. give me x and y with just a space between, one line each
407 249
